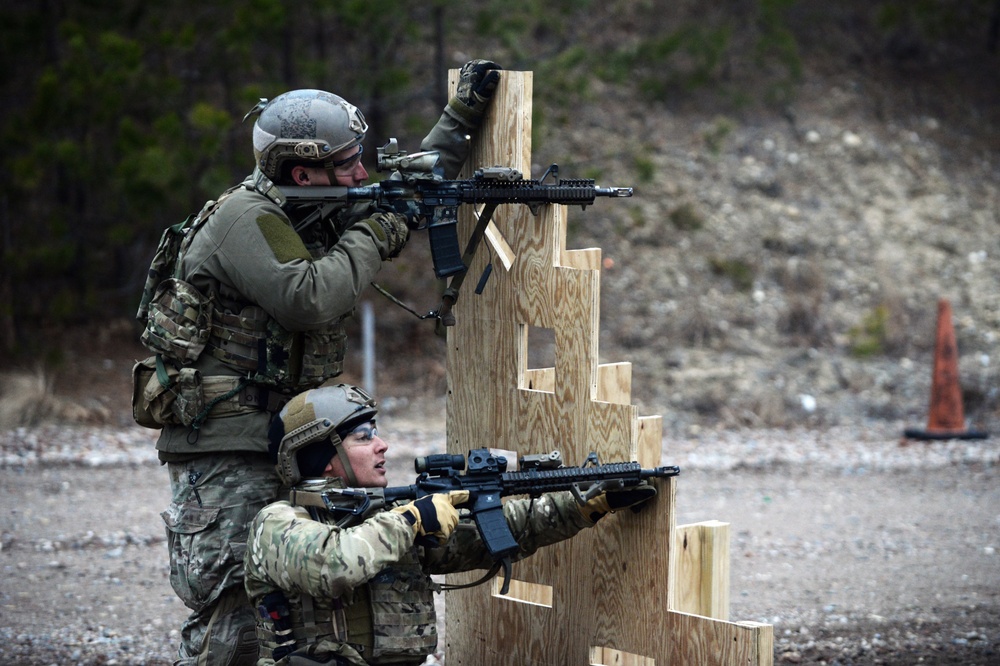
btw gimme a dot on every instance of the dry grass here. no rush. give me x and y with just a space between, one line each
28 399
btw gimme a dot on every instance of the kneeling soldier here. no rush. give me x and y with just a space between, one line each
363 594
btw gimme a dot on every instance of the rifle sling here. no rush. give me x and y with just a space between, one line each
306 498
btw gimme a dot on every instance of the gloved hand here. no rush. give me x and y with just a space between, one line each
435 515
409 210
390 232
477 81
616 499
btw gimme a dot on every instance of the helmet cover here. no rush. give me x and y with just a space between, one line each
308 431
304 125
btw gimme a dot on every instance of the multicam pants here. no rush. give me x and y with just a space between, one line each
215 497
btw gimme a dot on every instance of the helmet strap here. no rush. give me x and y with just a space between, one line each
352 480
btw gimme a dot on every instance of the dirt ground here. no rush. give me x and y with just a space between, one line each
857 549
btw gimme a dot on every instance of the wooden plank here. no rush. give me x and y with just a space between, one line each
702 640
605 656
701 578
648 448
614 383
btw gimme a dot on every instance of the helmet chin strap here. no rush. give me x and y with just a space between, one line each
352 480
331 174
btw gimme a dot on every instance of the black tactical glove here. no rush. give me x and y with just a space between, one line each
410 210
616 499
390 232
477 82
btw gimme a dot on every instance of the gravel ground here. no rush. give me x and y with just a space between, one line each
857 547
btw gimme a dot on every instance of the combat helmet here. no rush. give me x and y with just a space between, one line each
304 125
308 431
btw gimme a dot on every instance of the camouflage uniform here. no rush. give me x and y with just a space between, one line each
247 258
362 595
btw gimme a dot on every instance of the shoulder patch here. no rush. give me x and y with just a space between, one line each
282 239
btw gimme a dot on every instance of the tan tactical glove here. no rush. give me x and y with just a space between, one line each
390 232
435 515
631 497
477 81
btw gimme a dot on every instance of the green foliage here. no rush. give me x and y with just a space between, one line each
515 23
121 117
740 273
636 217
686 218
717 133
777 48
935 20
687 58
870 337
567 77
645 168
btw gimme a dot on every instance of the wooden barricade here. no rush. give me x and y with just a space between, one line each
605 596
701 571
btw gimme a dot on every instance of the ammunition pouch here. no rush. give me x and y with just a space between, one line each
402 612
163 394
179 321
253 343
143 376
154 392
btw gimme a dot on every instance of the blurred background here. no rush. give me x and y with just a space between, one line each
810 176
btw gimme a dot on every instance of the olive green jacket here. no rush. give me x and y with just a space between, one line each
246 254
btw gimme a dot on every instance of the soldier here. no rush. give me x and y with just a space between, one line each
244 310
363 594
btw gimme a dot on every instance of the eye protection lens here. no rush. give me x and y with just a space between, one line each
348 163
365 431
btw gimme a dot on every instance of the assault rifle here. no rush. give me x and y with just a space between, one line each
418 190
487 481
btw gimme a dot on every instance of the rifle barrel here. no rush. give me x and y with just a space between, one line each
617 192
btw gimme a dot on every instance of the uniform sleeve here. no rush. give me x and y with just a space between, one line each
258 255
289 550
551 518
451 139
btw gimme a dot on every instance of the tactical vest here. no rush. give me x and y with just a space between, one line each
181 323
389 620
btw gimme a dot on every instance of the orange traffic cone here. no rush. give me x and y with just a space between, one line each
947 418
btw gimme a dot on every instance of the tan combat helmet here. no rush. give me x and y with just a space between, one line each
307 432
304 126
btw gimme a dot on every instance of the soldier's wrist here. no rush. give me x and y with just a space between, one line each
463 113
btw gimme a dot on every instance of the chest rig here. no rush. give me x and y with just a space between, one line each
181 323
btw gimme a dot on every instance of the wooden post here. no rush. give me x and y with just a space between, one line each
603 595
702 569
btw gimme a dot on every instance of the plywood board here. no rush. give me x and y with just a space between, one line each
605 593
701 576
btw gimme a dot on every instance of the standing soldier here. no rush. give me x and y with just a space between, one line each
242 311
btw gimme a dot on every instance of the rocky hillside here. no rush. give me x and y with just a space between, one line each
784 268
780 267
776 267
